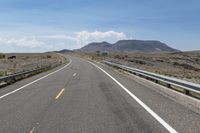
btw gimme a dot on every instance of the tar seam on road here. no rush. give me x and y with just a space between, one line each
9 93
150 111
32 130
59 94
74 74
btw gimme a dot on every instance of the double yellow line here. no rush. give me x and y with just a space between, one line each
60 93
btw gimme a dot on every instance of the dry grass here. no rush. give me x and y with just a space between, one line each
26 61
182 65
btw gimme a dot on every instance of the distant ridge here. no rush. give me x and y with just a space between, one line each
128 46
96 46
61 51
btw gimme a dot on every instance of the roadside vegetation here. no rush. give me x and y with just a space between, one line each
182 65
19 62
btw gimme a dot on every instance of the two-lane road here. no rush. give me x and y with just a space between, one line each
82 98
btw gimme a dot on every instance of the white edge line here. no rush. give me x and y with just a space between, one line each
9 93
150 111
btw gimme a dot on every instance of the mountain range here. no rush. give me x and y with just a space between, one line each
125 46
128 46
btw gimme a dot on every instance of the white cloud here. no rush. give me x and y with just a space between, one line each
59 37
57 42
30 42
87 37
110 36
84 37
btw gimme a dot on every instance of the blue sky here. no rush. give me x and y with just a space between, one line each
42 25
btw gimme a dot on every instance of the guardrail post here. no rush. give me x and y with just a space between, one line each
169 85
187 92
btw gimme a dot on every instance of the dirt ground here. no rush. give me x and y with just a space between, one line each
17 62
182 65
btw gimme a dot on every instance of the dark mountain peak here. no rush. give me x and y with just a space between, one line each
138 41
99 43
63 51
96 46
105 42
141 46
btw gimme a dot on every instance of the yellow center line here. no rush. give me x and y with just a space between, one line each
59 94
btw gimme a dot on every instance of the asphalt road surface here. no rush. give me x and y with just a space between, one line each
82 97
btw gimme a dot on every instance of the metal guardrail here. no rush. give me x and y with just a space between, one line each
21 75
188 88
6 80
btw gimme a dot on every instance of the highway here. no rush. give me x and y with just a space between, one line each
85 97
